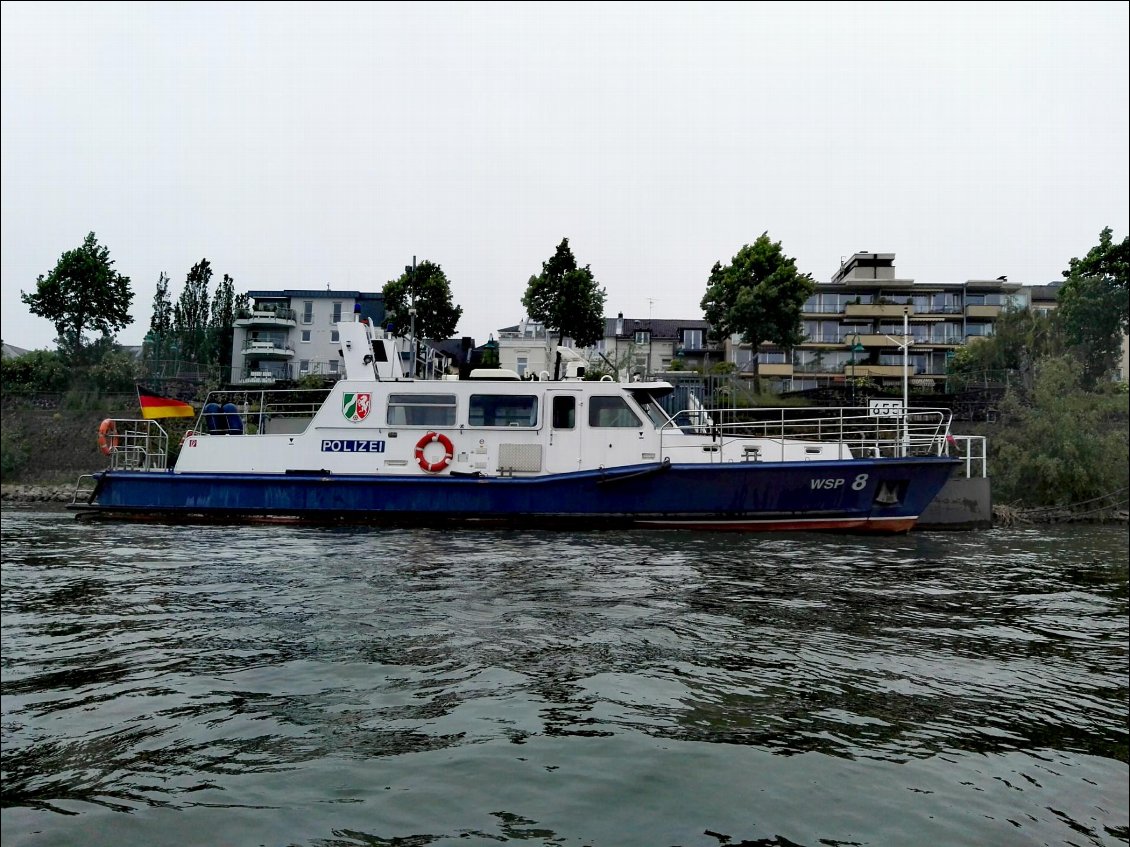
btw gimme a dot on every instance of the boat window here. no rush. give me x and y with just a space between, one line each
502 410
564 412
611 412
652 409
421 410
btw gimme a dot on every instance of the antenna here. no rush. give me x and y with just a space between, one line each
651 301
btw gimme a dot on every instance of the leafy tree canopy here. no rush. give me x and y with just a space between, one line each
426 287
190 315
566 298
39 370
1020 339
1058 444
161 322
82 293
1094 308
758 296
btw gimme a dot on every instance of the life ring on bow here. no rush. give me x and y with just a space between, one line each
443 461
107 437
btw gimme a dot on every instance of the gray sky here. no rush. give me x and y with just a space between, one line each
303 145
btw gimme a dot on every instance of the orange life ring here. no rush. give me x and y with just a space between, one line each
442 462
107 437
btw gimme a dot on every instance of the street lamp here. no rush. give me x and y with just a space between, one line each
856 347
412 332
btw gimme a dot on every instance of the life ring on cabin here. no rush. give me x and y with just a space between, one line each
107 437
443 461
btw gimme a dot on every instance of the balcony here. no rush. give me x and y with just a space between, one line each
982 311
266 350
768 369
278 317
877 310
859 370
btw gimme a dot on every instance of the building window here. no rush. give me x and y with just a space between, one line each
337 313
304 367
643 336
305 336
692 339
308 312
335 336
523 363
333 366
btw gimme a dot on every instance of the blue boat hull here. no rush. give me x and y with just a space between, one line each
882 495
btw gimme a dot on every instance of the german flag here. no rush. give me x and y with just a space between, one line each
156 406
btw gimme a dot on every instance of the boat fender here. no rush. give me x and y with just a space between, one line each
107 437
443 461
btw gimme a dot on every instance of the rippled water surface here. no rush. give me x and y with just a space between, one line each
290 686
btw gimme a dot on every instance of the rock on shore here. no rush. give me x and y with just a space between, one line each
25 493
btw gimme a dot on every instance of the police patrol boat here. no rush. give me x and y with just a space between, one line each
569 452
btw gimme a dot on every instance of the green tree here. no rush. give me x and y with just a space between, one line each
1020 339
758 296
1094 309
566 298
424 287
221 323
82 293
1058 444
114 372
190 315
160 335
39 370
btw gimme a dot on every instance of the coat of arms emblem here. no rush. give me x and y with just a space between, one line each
355 406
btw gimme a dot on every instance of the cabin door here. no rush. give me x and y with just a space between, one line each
563 453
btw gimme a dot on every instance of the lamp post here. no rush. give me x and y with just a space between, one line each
412 332
905 379
856 347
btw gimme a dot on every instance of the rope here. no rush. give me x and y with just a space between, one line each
1117 491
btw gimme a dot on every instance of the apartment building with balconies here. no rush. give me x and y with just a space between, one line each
857 325
286 335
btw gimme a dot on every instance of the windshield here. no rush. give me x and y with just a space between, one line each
652 408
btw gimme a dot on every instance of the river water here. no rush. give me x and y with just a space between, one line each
333 687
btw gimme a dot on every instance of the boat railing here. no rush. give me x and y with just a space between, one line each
973 450
135 445
855 432
260 412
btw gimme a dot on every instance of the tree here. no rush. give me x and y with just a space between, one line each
221 322
1058 444
566 298
758 296
1094 309
1020 339
82 293
425 288
190 315
160 333
39 370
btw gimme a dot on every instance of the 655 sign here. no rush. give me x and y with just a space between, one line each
886 408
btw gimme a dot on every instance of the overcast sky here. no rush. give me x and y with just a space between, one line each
303 145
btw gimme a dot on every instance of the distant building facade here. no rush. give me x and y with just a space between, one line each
631 346
853 327
286 335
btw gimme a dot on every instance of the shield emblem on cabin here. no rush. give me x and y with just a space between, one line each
355 406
